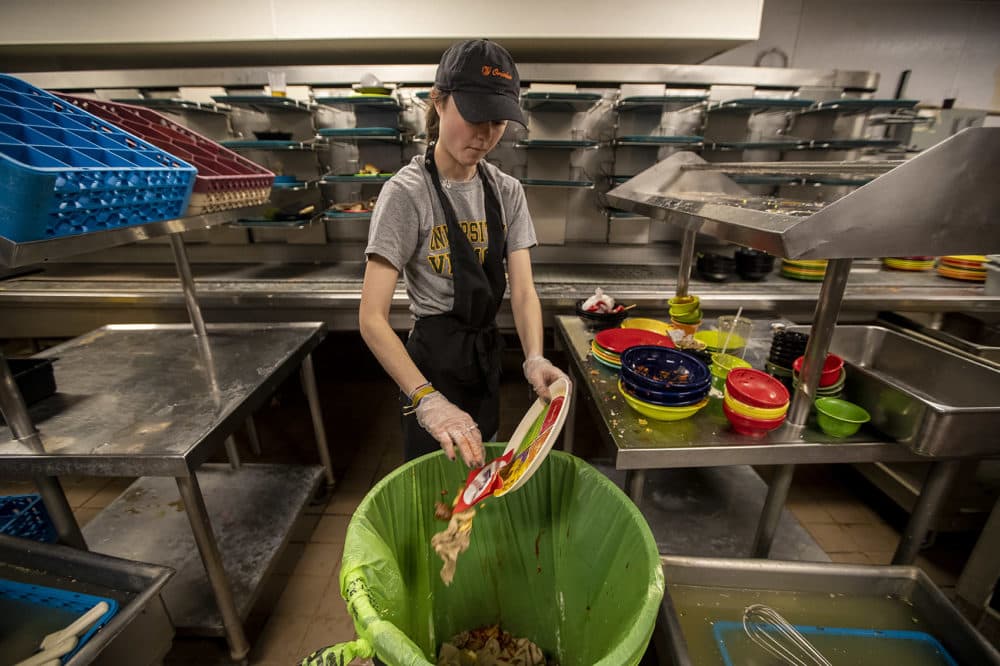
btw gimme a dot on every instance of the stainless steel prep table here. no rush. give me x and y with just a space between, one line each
704 440
153 400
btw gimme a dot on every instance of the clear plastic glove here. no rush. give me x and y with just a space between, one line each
540 373
451 427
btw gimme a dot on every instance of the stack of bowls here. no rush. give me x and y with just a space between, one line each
754 402
685 313
609 344
968 267
663 384
599 320
839 418
753 265
786 346
831 381
811 270
909 263
722 365
715 267
654 325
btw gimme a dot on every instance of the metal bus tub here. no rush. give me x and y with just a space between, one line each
936 402
908 584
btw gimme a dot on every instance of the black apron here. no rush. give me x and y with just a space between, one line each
459 351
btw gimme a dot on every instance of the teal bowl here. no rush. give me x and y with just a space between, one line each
839 418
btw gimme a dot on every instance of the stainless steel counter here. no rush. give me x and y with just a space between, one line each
69 299
137 400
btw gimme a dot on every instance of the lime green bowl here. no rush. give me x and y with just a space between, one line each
682 305
839 418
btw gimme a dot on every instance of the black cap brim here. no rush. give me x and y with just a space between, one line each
486 107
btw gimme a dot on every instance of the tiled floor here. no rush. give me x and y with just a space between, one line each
301 608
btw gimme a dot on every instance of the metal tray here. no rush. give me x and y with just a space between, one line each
936 402
874 583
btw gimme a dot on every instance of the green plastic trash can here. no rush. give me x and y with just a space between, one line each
566 561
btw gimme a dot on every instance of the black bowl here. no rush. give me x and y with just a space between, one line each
715 267
600 320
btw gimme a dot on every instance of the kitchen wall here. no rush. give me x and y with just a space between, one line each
951 46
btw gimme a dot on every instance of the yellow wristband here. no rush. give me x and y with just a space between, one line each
418 395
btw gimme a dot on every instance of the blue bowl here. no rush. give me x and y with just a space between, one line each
658 369
665 399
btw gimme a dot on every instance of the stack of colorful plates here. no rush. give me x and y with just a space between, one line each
685 313
663 384
654 325
968 267
754 402
610 343
909 263
812 270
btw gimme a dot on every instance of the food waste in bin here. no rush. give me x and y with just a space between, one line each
491 646
531 442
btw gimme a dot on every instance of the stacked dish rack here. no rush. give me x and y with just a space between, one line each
225 179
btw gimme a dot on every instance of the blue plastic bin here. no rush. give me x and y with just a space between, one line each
69 604
25 516
64 171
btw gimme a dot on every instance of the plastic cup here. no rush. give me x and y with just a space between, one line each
276 82
740 328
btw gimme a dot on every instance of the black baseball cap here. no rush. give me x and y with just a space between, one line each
482 78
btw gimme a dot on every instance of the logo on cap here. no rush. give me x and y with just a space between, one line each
496 71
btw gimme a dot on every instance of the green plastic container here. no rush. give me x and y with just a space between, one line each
839 418
566 561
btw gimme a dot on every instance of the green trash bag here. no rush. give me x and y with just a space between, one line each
566 561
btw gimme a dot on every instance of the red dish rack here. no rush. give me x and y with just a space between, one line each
225 180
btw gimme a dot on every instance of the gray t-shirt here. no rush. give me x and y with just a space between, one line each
408 229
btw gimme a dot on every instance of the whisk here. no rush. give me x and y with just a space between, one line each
777 636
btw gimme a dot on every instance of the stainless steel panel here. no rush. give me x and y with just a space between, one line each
943 201
134 585
253 511
936 402
139 400
908 583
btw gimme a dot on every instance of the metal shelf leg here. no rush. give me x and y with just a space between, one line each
936 488
777 493
635 485
194 505
312 395
687 259
15 412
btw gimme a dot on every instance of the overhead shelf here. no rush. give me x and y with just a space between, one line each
942 201
356 178
803 144
851 105
14 254
662 102
390 134
553 101
341 215
174 105
569 144
250 144
547 182
381 102
657 140
266 103
760 105
262 223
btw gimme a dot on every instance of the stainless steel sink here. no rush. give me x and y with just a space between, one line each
936 402
805 593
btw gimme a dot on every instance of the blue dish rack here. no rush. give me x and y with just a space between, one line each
65 601
65 172
25 516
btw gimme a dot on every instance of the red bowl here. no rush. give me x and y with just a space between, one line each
752 427
831 369
756 388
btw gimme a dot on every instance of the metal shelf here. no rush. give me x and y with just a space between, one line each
354 178
545 101
943 202
804 144
569 144
381 102
14 254
655 140
253 510
387 134
250 144
852 106
341 215
546 182
271 224
177 105
760 105
267 103
665 102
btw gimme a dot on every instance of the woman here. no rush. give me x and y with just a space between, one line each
448 221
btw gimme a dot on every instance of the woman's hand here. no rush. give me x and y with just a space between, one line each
540 373
451 427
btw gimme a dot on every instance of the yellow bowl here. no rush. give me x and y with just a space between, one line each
654 325
682 305
751 412
714 340
658 412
